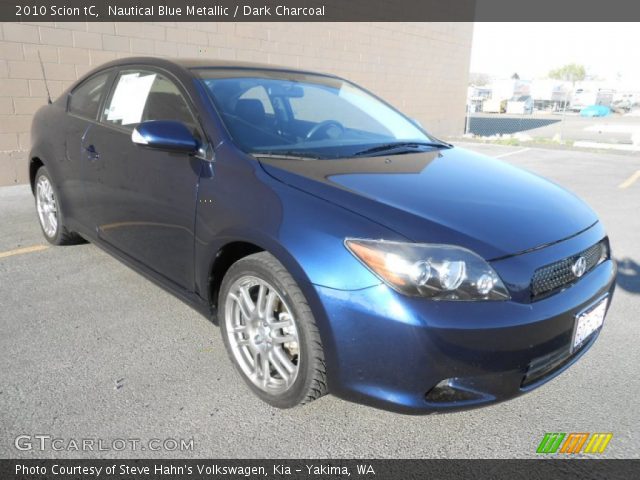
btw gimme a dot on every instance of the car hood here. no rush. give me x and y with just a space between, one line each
450 196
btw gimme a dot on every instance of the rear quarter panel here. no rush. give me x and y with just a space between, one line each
48 131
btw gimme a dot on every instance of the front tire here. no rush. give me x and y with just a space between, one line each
49 211
270 333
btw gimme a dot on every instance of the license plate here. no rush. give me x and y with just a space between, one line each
588 322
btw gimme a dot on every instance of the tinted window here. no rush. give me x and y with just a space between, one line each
140 96
320 104
85 99
297 113
259 93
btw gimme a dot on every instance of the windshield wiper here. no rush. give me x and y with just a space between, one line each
403 146
287 154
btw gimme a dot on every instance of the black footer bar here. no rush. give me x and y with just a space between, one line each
208 469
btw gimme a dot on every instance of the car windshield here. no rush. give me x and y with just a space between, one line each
297 114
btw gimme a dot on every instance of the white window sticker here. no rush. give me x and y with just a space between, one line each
129 98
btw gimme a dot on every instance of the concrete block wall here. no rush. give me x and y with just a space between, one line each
421 68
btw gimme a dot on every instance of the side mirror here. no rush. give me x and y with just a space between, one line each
165 135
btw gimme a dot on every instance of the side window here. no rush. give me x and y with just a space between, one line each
259 93
85 99
140 96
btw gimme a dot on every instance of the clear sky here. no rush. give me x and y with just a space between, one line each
532 49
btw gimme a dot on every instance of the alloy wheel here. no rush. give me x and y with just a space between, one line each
262 333
47 207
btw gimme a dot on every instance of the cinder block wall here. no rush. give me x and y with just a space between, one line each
421 68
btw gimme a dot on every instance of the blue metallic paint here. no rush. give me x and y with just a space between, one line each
449 196
381 348
167 135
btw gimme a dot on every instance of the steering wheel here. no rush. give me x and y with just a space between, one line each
324 127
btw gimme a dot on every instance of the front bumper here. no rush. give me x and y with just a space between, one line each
390 351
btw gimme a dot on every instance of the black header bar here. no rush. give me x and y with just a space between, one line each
319 10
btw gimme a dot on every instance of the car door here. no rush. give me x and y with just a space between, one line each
143 200
83 107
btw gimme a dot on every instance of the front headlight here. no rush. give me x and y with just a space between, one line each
439 272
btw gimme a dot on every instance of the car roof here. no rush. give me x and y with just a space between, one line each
185 65
213 63
193 63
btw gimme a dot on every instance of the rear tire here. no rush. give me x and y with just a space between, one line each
50 214
270 332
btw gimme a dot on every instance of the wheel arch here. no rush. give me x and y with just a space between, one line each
225 257
35 162
232 249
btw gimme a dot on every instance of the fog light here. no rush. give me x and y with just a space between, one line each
447 391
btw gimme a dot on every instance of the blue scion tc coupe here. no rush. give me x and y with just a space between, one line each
339 246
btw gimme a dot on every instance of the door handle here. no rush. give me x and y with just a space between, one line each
92 153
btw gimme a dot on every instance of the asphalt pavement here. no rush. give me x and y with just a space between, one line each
91 350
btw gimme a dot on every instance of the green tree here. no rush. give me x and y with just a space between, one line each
479 79
569 73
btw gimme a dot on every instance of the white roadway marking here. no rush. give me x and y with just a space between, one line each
511 153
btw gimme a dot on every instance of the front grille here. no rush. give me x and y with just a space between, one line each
555 276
